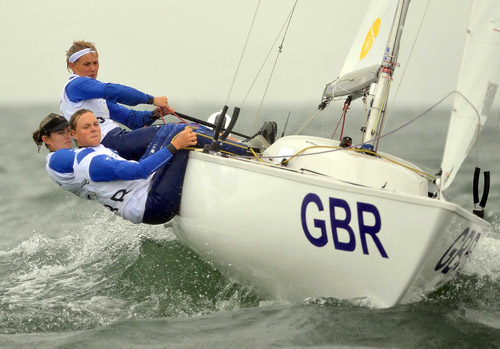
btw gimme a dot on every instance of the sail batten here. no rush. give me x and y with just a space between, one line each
477 86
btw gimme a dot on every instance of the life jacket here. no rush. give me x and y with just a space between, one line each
59 167
124 198
97 105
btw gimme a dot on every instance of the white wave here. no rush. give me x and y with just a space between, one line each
484 259
44 268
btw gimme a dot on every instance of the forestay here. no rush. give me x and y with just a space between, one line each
367 51
477 86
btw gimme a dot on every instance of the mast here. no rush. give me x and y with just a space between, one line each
376 113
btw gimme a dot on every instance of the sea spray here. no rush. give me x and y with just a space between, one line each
110 270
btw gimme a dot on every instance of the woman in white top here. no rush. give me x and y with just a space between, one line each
54 133
147 191
107 100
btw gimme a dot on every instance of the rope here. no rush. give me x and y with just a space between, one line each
347 104
162 119
428 176
354 148
178 117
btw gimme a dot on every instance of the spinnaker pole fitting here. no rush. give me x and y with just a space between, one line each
327 96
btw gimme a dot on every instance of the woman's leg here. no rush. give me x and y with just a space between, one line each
130 145
164 197
162 138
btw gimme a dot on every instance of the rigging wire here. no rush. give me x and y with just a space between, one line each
308 120
300 153
319 109
261 67
243 52
397 129
265 60
407 62
280 50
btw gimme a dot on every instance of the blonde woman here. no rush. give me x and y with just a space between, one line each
107 100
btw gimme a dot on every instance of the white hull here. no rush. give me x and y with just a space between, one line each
272 227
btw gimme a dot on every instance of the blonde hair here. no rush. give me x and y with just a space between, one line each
73 120
77 46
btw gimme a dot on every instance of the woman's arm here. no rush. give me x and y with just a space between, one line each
82 88
133 119
62 160
104 168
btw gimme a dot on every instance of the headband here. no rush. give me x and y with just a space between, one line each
75 56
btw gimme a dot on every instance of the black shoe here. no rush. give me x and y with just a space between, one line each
268 131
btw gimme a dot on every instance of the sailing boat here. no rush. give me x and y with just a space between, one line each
321 218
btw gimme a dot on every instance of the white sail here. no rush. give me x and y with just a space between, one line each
477 86
367 51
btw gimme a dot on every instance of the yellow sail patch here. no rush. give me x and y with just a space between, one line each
370 38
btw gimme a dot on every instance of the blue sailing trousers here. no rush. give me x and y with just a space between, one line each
164 196
130 145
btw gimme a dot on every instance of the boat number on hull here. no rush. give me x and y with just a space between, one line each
343 236
460 248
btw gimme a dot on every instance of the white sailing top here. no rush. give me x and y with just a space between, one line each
126 198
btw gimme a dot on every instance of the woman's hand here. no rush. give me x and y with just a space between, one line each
185 138
159 112
162 102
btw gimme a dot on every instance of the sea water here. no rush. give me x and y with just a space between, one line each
73 275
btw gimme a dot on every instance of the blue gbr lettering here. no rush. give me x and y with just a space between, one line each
458 250
343 236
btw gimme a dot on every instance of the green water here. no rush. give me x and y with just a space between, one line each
72 275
